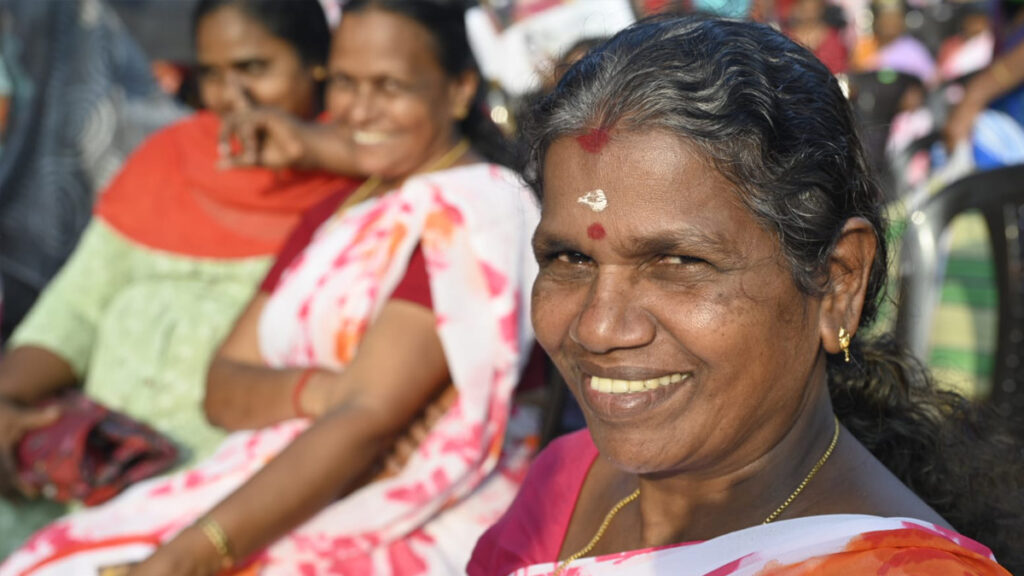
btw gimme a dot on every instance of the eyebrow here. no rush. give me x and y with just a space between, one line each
672 240
236 62
546 242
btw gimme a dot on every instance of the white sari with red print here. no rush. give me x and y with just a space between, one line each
474 224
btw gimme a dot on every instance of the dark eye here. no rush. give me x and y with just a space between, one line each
393 86
338 81
253 67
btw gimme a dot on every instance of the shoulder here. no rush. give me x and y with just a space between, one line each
201 126
915 548
491 183
532 529
160 154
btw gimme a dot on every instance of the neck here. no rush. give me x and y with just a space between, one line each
454 153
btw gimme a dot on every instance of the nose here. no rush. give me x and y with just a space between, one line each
611 317
361 110
235 95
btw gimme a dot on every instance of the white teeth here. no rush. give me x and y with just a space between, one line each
369 138
616 386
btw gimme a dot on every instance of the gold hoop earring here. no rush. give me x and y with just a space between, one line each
844 343
319 73
461 112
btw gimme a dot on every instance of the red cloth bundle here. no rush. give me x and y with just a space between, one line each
90 453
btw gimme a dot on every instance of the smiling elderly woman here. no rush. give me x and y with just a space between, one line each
710 245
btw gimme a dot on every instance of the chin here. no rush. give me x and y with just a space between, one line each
636 453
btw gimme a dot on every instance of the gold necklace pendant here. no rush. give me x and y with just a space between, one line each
636 493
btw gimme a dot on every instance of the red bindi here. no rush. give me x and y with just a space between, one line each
595 231
594 140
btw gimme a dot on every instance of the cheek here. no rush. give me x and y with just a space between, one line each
420 121
289 92
337 102
552 310
209 94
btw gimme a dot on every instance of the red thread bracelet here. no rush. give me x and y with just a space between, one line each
297 389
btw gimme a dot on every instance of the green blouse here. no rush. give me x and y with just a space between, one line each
139 326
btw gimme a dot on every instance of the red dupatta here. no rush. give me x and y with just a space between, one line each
171 196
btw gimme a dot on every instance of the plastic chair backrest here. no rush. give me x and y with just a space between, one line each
998 195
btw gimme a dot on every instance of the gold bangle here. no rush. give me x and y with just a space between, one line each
216 535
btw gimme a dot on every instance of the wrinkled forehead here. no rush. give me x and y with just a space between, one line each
621 178
654 158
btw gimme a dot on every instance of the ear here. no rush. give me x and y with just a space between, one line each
461 92
848 270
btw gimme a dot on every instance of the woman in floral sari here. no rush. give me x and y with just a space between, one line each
412 286
710 248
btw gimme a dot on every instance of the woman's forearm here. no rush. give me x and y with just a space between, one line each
1003 75
328 151
327 461
30 373
243 396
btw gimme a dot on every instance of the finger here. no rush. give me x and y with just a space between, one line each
243 148
399 456
441 405
225 137
419 432
33 418
230 146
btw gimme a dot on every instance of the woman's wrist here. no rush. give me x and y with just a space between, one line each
190 553
217 539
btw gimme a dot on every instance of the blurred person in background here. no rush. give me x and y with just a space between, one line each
891 46
176 247
79 98
410 288
806 25
998 88
970 49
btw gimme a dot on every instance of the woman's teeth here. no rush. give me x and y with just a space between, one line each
369 138
616 386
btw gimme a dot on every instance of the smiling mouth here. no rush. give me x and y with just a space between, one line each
617 386
369 138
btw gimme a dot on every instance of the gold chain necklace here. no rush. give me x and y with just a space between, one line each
636 494
366 189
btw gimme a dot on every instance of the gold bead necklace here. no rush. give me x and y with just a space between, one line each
366 189
636 494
